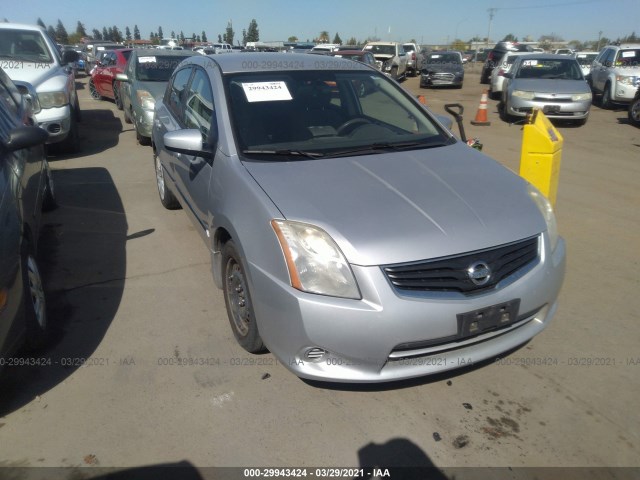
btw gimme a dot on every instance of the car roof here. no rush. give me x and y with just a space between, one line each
548 56
152 52
21 26
270 62
349 52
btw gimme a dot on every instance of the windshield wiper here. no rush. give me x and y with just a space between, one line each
285 152
396 146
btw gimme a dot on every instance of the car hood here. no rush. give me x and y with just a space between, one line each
444 68
156 89
542 85
400 207
44 77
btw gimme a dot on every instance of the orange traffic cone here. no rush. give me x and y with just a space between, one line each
481 116
422 99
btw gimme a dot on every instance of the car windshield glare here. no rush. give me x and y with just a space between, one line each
325 112
551 69
156 68
25 45
381 49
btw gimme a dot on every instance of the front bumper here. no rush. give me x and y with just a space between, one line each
561 110
143 120
439 80
56 121
363 338
623 93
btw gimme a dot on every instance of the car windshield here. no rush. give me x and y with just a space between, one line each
24 45
408 48
628 58
381 49
437 58
549 68
157 68
586 59
325 113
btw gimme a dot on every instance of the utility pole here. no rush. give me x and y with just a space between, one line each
599 37
492 12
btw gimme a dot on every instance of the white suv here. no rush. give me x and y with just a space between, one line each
31 59
615 73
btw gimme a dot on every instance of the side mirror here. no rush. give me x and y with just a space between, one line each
69 56
25 137
446 121
188 142
122 77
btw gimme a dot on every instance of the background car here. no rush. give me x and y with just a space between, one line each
103 82
25 188
31 60
551 83
357 55
353 236
497 75
585 59
415 58
615 74
144 79
634 110
93 52
442 69
494 56
390 56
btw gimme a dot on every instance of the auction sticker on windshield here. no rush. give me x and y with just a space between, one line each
146 59
266 91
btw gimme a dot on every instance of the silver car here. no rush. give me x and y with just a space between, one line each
352 235
549 82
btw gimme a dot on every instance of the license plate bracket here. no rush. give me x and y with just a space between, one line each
487 319
551 109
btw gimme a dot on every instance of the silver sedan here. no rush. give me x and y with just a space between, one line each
352 235
552 83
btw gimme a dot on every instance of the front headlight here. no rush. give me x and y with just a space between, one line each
581 96
52 99
314 261
626 80
523 94
546 209
146 100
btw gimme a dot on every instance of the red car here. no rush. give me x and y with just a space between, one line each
103 83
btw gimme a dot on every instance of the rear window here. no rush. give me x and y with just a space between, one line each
156 68
409 48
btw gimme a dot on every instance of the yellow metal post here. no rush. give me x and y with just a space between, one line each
541 155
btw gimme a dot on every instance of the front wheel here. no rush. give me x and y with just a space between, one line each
167 198
634 112
605 102
116 95
237 299
93 91
35 307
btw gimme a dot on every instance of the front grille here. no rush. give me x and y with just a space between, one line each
452 274
442 76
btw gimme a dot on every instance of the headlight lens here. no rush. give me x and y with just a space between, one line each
314 261
581 96
546 209
146 100
523 94
626 79
52 99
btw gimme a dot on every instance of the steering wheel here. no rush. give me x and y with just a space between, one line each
349 125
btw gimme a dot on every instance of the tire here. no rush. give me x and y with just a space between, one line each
504 113
634 112
605 101
93 91
237 299
141 139
116 95
35 306
71 144
167 198
127 117
48 197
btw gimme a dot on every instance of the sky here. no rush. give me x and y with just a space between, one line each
426 21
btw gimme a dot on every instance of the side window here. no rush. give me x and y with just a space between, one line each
608 57
176 93
199 103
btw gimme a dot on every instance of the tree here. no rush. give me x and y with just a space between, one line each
80 30
219 38
229 34
203 36
337 39
352 41
96 34
244 36
633 38
292 38
136 33
181 37
459 45
116 34
160 33
510 38
61 33
253 35
173 34
198 39
105 34
51 32
41 23
127 33
324 37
